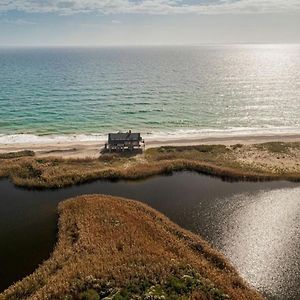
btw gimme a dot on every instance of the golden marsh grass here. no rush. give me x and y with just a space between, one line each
269 161
114 248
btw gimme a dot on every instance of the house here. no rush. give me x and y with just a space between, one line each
122 141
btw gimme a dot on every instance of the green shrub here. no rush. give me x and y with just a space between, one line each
89 295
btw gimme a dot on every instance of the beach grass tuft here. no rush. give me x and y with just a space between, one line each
278 147
10 155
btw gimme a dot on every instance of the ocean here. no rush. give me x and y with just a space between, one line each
70 94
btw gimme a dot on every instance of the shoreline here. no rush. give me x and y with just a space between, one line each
91 149
254 162
118 247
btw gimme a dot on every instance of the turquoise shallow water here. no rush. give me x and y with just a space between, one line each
82 93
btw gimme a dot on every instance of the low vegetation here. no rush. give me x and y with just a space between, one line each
269 161
112 248
16 154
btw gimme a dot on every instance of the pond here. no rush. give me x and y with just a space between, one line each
255 224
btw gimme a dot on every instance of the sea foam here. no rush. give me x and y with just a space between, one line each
181 134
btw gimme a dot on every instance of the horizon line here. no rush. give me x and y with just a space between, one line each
144 45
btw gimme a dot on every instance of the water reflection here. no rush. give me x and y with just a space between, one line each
261 236
255 224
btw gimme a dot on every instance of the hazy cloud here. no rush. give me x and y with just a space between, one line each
160 7
116 22
16 22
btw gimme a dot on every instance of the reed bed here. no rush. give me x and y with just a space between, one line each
113 248
270 161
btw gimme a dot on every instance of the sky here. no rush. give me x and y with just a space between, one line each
146 22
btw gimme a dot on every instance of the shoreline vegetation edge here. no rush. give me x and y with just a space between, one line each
115 248
253 162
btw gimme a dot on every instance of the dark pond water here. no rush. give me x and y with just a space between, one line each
256 225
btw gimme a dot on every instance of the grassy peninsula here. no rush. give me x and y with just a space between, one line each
266 161
113 248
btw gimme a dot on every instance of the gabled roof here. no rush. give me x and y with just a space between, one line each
124 136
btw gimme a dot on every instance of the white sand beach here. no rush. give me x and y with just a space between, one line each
91 149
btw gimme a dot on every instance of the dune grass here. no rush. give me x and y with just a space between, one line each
238 162
113 248
10 155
